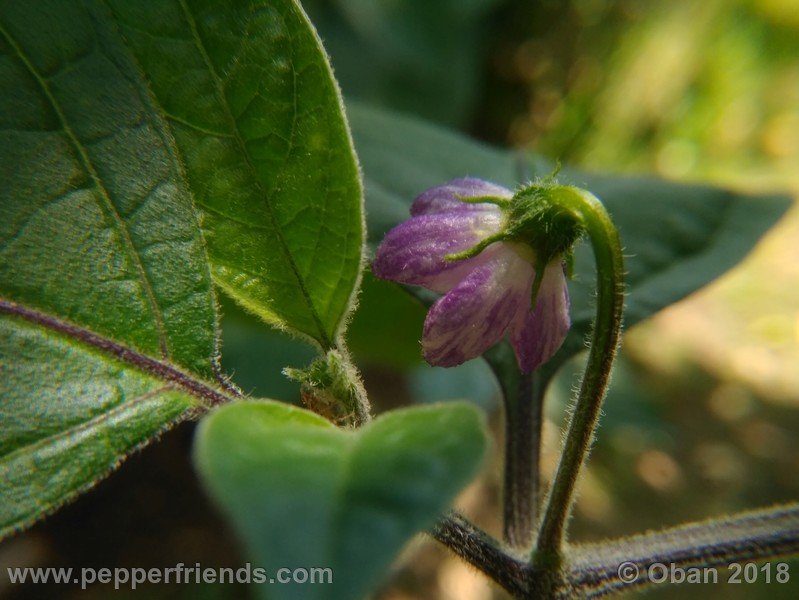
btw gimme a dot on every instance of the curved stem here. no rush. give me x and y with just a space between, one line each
594 569
604 340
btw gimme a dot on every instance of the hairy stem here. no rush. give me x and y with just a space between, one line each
593 570
585 207
483 552
523 404
600 569
522 449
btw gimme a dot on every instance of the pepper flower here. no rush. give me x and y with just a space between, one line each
485 249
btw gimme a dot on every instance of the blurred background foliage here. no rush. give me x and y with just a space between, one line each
703 414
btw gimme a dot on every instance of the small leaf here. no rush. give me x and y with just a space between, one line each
250 98
304 494
676 237
257 354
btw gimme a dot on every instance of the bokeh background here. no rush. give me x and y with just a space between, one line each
704 412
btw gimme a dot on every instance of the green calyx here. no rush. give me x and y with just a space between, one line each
536 218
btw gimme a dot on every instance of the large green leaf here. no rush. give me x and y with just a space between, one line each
107 318
304 494
70 412
416 55
257 118
676 237
112 116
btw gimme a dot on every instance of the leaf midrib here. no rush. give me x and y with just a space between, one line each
107 204
324 339
163 371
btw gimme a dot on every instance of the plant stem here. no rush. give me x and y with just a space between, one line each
483 552
585 207
521 465
523 403
597 569
594 569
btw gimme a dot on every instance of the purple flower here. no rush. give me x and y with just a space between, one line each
487 294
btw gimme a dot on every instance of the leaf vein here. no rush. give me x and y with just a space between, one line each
195 127
164 371
200 45
107 204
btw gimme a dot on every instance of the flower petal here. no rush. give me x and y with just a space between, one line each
476 313
537 335
442 198
414 251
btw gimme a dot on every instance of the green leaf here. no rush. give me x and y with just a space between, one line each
96 222
107 317
394 53
112 116
257 118
677 237
69 414
304 494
